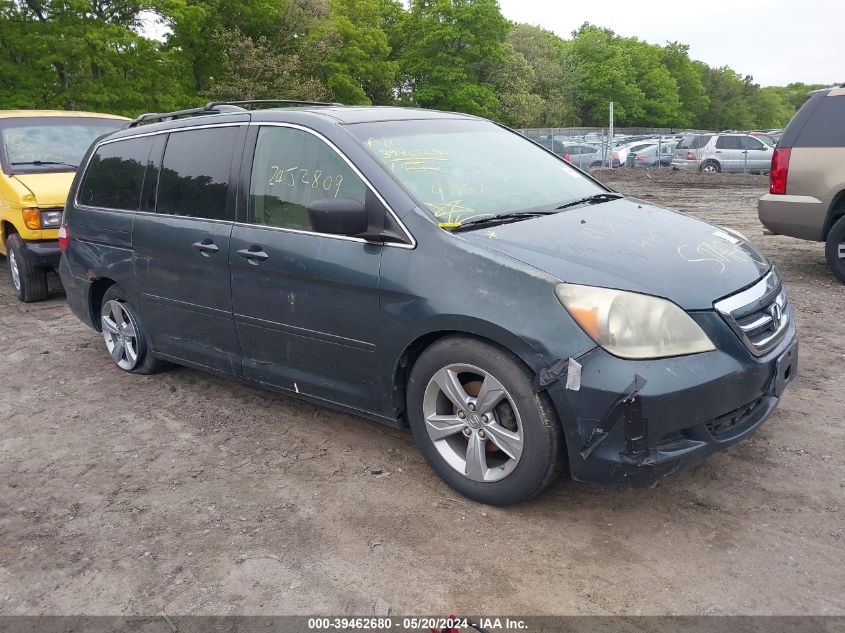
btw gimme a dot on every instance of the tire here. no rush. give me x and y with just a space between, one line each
710 166
28 281
126 339
504 414
835 249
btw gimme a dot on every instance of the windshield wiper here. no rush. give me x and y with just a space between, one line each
514 216
595 199
44 162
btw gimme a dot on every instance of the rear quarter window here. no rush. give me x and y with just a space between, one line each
697 141
115 175
825 126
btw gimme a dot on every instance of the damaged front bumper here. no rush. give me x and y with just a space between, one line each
631 423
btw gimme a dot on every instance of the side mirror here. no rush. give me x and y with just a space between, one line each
338 217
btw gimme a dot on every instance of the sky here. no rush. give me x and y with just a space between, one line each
776 41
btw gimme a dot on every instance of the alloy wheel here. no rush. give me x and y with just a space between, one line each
473 422
121 334
16 273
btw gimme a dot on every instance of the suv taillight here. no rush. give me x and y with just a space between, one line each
779 170
690 156
567 158
64 237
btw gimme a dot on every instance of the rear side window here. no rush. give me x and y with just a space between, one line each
826 125
694 141
291 169
194 178
115 175
729 142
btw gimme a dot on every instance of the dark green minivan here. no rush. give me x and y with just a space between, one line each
434 270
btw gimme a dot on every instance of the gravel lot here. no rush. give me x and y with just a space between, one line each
186 494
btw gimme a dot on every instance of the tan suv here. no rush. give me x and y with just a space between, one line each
806 196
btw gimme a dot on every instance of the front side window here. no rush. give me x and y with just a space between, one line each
44 144
194 178
115 175
291 169
752 143
462 170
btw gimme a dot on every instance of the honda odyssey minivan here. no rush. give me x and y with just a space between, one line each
434 270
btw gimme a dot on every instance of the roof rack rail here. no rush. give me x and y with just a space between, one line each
221 107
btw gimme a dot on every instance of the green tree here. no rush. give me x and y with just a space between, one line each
513 79
357 67
255 69
602 72
691 91
546 54
451 48
661 104
83 55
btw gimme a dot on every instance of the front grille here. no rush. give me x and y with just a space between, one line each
759 315
734 421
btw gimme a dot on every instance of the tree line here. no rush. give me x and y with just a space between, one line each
460 55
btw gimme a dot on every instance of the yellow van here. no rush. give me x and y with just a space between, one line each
39 153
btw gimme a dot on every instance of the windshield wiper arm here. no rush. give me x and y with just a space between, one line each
44 162
500 219
595 199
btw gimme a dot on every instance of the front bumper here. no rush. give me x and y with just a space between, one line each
796 216
685 409
43 253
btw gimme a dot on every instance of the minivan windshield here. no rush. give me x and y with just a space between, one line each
49 144
464 170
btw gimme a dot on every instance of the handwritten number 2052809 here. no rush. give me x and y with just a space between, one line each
295 176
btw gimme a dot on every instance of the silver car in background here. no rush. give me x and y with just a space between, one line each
722 152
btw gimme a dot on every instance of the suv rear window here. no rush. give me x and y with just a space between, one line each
194 180
696 141
826 126
115 175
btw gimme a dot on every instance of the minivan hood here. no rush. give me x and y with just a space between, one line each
630 244
48 189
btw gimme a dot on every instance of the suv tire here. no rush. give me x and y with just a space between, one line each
835 249
29 281
503 444
125 336
711 166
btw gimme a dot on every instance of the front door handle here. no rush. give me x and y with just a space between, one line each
206 247
254 254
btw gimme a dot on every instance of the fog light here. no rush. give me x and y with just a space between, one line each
32 218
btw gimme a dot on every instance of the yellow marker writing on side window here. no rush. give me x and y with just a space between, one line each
449 225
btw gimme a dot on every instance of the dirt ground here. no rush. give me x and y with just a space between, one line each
187 494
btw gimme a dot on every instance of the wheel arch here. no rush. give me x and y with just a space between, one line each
479 330
7 229
835 212
96 292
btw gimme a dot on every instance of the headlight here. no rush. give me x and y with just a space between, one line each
51 219
632 325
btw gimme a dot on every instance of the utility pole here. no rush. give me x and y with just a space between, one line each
610 138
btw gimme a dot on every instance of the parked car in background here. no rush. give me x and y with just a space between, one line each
39 152
730 152
551 144
583 156
430 269
648 156
806 196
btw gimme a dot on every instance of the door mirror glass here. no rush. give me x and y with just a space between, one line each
341 216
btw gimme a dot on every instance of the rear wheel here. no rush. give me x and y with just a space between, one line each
479 424
29 281
126 339
711 167
835 249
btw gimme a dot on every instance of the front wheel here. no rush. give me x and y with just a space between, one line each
479 424
835 249
28 280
